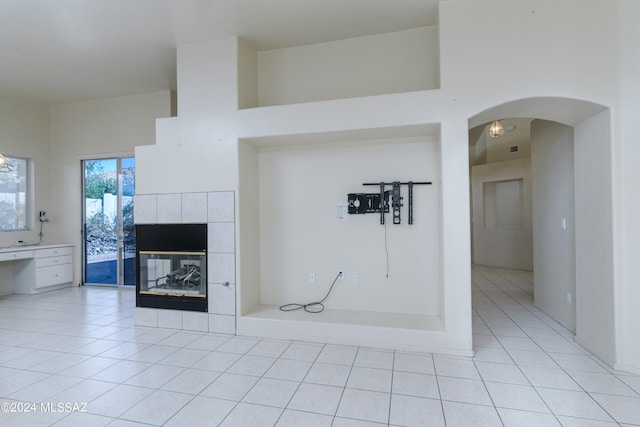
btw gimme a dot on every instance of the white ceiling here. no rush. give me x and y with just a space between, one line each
59 51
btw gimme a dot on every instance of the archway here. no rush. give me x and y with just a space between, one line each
593 219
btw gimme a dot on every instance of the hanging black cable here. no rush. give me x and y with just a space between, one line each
386 248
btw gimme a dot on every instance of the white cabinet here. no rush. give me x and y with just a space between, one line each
12 256
40 268
53 267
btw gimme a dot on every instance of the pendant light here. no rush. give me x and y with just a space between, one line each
496 129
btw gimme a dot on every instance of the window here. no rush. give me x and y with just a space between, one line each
13 196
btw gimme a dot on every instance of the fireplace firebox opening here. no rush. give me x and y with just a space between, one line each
171 261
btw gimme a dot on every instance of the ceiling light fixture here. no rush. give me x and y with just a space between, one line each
5 166
496 129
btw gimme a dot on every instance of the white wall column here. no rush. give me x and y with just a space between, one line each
554 221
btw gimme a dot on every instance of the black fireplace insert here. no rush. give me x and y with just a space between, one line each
171 261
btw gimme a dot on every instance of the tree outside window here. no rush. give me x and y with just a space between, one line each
100 192
13 196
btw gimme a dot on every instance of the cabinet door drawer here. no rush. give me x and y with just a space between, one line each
45 253
54 275
56 260
8 256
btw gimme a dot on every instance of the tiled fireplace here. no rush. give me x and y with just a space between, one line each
217 211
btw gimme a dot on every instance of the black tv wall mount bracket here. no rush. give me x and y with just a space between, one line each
363 203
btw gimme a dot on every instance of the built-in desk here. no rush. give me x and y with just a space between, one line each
39 268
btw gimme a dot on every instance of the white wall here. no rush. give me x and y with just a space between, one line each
553 202
594 227
94 129
24 132
204 137
495 51
247 75
199 147
455 231
626 185
207 84
386 63
248 226
474 76
498 246
578 41
299 187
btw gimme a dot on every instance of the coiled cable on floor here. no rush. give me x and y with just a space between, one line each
312 307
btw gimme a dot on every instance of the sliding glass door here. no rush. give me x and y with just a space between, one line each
108 229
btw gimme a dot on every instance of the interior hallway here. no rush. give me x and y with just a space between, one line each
79 345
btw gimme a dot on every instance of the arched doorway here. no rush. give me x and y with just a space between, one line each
593 219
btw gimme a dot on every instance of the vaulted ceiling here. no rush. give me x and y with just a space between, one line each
58 51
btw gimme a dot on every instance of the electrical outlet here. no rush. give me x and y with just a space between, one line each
340 212
568 297
340 274
312 278
355 279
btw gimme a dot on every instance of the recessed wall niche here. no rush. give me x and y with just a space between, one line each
401 61
503 204
288 189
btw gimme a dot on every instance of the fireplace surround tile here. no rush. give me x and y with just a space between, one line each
145 208
194 207
217 209
170 319
221 237
222 267
222 299
221 206
222 324
169 208
194 321
146 317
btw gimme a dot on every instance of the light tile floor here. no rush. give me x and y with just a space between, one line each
79 345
